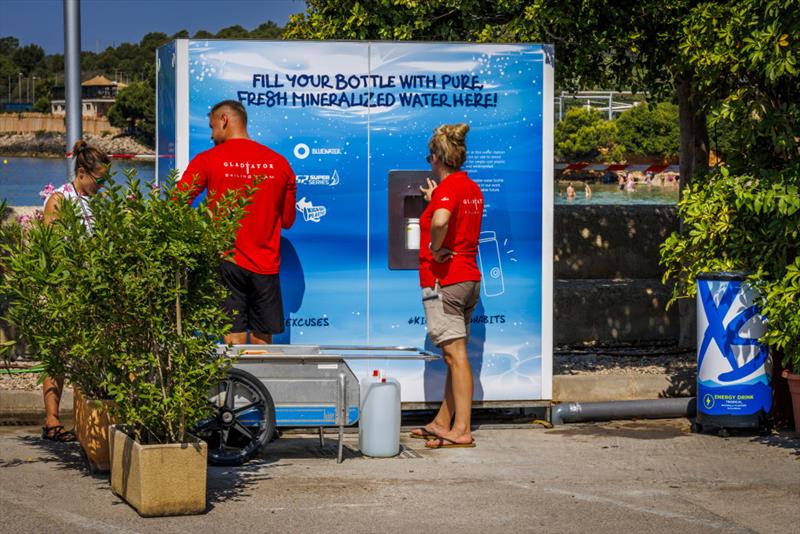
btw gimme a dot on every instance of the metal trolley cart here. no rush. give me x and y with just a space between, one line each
284 386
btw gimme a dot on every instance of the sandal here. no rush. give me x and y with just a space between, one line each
424 434
58 434
446 443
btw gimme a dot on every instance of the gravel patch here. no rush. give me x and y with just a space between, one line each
625 361
19 382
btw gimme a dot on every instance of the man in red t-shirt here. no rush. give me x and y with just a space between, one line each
251 272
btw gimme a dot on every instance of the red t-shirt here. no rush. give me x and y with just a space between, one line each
463 199
232 165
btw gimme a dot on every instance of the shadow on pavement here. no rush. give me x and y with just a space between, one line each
783 440
234 483
297 448
663 429
64 455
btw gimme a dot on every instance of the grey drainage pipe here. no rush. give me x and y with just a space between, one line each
577 412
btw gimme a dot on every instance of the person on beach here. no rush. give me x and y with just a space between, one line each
450 279
587 191
250 273
91 170
570 191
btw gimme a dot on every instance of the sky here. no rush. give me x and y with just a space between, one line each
107 23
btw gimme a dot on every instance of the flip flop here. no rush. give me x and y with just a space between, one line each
426 435
58 434
450 444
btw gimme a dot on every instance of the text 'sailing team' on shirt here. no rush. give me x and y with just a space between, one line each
233 165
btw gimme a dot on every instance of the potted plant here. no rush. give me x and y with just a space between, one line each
51 297
782 306
157 260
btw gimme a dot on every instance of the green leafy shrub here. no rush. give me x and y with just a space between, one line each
584 135
130 311
650 131
746 215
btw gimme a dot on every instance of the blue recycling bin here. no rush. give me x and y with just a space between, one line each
734 387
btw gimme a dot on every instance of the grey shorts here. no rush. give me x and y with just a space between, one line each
448 310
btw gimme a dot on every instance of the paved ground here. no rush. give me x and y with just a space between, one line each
614 477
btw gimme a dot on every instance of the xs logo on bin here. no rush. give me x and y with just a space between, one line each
727 336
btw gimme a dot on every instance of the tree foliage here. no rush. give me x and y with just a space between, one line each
134 109
584 135
650 131
626 44
746 55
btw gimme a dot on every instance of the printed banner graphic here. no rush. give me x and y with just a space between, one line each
354 120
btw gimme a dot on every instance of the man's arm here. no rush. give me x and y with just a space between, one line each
194 178
288 211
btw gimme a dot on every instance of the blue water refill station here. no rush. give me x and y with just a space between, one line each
733 367
353 119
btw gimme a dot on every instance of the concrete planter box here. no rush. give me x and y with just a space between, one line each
159 480
92 419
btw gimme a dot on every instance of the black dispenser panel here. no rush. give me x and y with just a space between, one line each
406 205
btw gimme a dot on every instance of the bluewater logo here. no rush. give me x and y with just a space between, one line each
301 151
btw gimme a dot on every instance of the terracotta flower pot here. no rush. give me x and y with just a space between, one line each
159 480
794 390
92 419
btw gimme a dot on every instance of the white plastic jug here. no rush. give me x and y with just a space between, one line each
379 425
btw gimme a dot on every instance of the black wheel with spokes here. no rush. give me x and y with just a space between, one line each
243 422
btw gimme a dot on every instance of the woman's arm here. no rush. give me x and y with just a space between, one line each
439 225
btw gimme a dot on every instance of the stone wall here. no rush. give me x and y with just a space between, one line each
45 122
607 286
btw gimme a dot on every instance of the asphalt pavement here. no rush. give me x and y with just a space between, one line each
632 476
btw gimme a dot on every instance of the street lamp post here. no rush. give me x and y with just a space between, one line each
72 75
19 83
34 90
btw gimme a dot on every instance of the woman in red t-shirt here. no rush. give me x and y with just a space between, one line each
450 279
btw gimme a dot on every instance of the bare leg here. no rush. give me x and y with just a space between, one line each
51 390
444 418
460 372
236 338
441 423
259 338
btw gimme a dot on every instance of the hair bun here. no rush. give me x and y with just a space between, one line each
79 146
456 132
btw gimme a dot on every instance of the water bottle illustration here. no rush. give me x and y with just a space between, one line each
490 265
